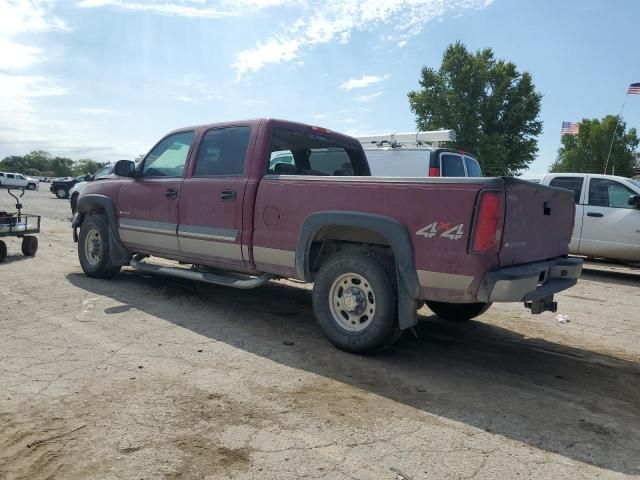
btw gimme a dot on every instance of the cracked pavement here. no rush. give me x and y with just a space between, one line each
147 377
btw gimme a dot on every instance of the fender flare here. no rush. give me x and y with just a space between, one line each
91 202
396 234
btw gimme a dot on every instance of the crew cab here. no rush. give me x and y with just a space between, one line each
607 218
216 197
18 180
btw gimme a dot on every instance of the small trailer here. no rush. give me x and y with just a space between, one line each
19 225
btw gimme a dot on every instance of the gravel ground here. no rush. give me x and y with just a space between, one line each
147 378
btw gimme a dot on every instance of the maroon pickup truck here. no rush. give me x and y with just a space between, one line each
247 202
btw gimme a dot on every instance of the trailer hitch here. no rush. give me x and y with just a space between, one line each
544 304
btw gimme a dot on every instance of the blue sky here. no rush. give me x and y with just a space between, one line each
105 79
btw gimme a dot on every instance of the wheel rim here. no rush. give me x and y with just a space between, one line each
352 302
93 246
60 192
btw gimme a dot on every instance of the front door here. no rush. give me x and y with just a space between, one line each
610 226
147 207
211 199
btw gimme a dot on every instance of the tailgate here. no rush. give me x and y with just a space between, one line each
538 222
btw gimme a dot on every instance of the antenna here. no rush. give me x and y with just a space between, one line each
395 140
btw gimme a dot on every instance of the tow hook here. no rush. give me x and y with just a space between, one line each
544 304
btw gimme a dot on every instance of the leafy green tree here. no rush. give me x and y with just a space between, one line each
14 163
85 166
61 166
38 160
587 152
492 106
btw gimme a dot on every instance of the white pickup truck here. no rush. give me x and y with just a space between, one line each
18 180
607 222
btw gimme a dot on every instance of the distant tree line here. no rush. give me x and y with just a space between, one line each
41 163
587 151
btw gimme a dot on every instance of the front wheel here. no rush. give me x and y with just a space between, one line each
93 248
354 301
31 186
29 245
459 312
61 192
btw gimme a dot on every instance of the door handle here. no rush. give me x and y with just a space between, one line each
171 193
594 214
228 195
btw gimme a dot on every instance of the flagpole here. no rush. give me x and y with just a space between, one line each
615 130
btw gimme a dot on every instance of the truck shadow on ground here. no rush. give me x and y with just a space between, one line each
579 404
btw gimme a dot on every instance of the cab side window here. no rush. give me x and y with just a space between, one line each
168 158
569 183
223 151
609 193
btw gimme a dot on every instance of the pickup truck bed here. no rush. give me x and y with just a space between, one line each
300 203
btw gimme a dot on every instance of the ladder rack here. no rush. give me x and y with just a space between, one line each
395 140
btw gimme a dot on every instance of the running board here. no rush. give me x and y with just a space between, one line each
229 280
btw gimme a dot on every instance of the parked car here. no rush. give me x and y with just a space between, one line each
18 180
210 196
418 154
607 218
75 191
61 187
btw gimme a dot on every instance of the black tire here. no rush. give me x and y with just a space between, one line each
29 245
3 251
379 331
93 252
62 192
74 202
31 186
459 312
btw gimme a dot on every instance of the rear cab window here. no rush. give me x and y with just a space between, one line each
296 152
569 183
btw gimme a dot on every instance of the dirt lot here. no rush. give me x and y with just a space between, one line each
147 378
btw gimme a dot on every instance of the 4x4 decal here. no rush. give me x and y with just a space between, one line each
442 229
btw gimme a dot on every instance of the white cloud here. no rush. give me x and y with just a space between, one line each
362 82
402 43
336 20
189 8
97 111
320 115
368 98
24 16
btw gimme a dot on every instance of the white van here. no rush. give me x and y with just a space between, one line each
421 162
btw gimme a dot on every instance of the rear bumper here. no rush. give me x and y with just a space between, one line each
532 281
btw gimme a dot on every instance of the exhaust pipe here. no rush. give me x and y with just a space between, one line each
229 280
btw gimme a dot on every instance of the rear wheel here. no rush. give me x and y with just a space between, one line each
29 245
354 302
459 312
93 248
61 192
3 251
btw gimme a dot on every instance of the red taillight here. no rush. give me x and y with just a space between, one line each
434 172
320 129
487 228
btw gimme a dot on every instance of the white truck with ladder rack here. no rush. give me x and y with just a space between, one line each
418 154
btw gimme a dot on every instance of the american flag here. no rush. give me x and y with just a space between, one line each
634 89
569 128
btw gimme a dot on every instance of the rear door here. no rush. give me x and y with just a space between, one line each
147 207
11 180
212 197
576 185
611 227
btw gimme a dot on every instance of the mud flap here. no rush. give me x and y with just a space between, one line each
407 308
119 255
